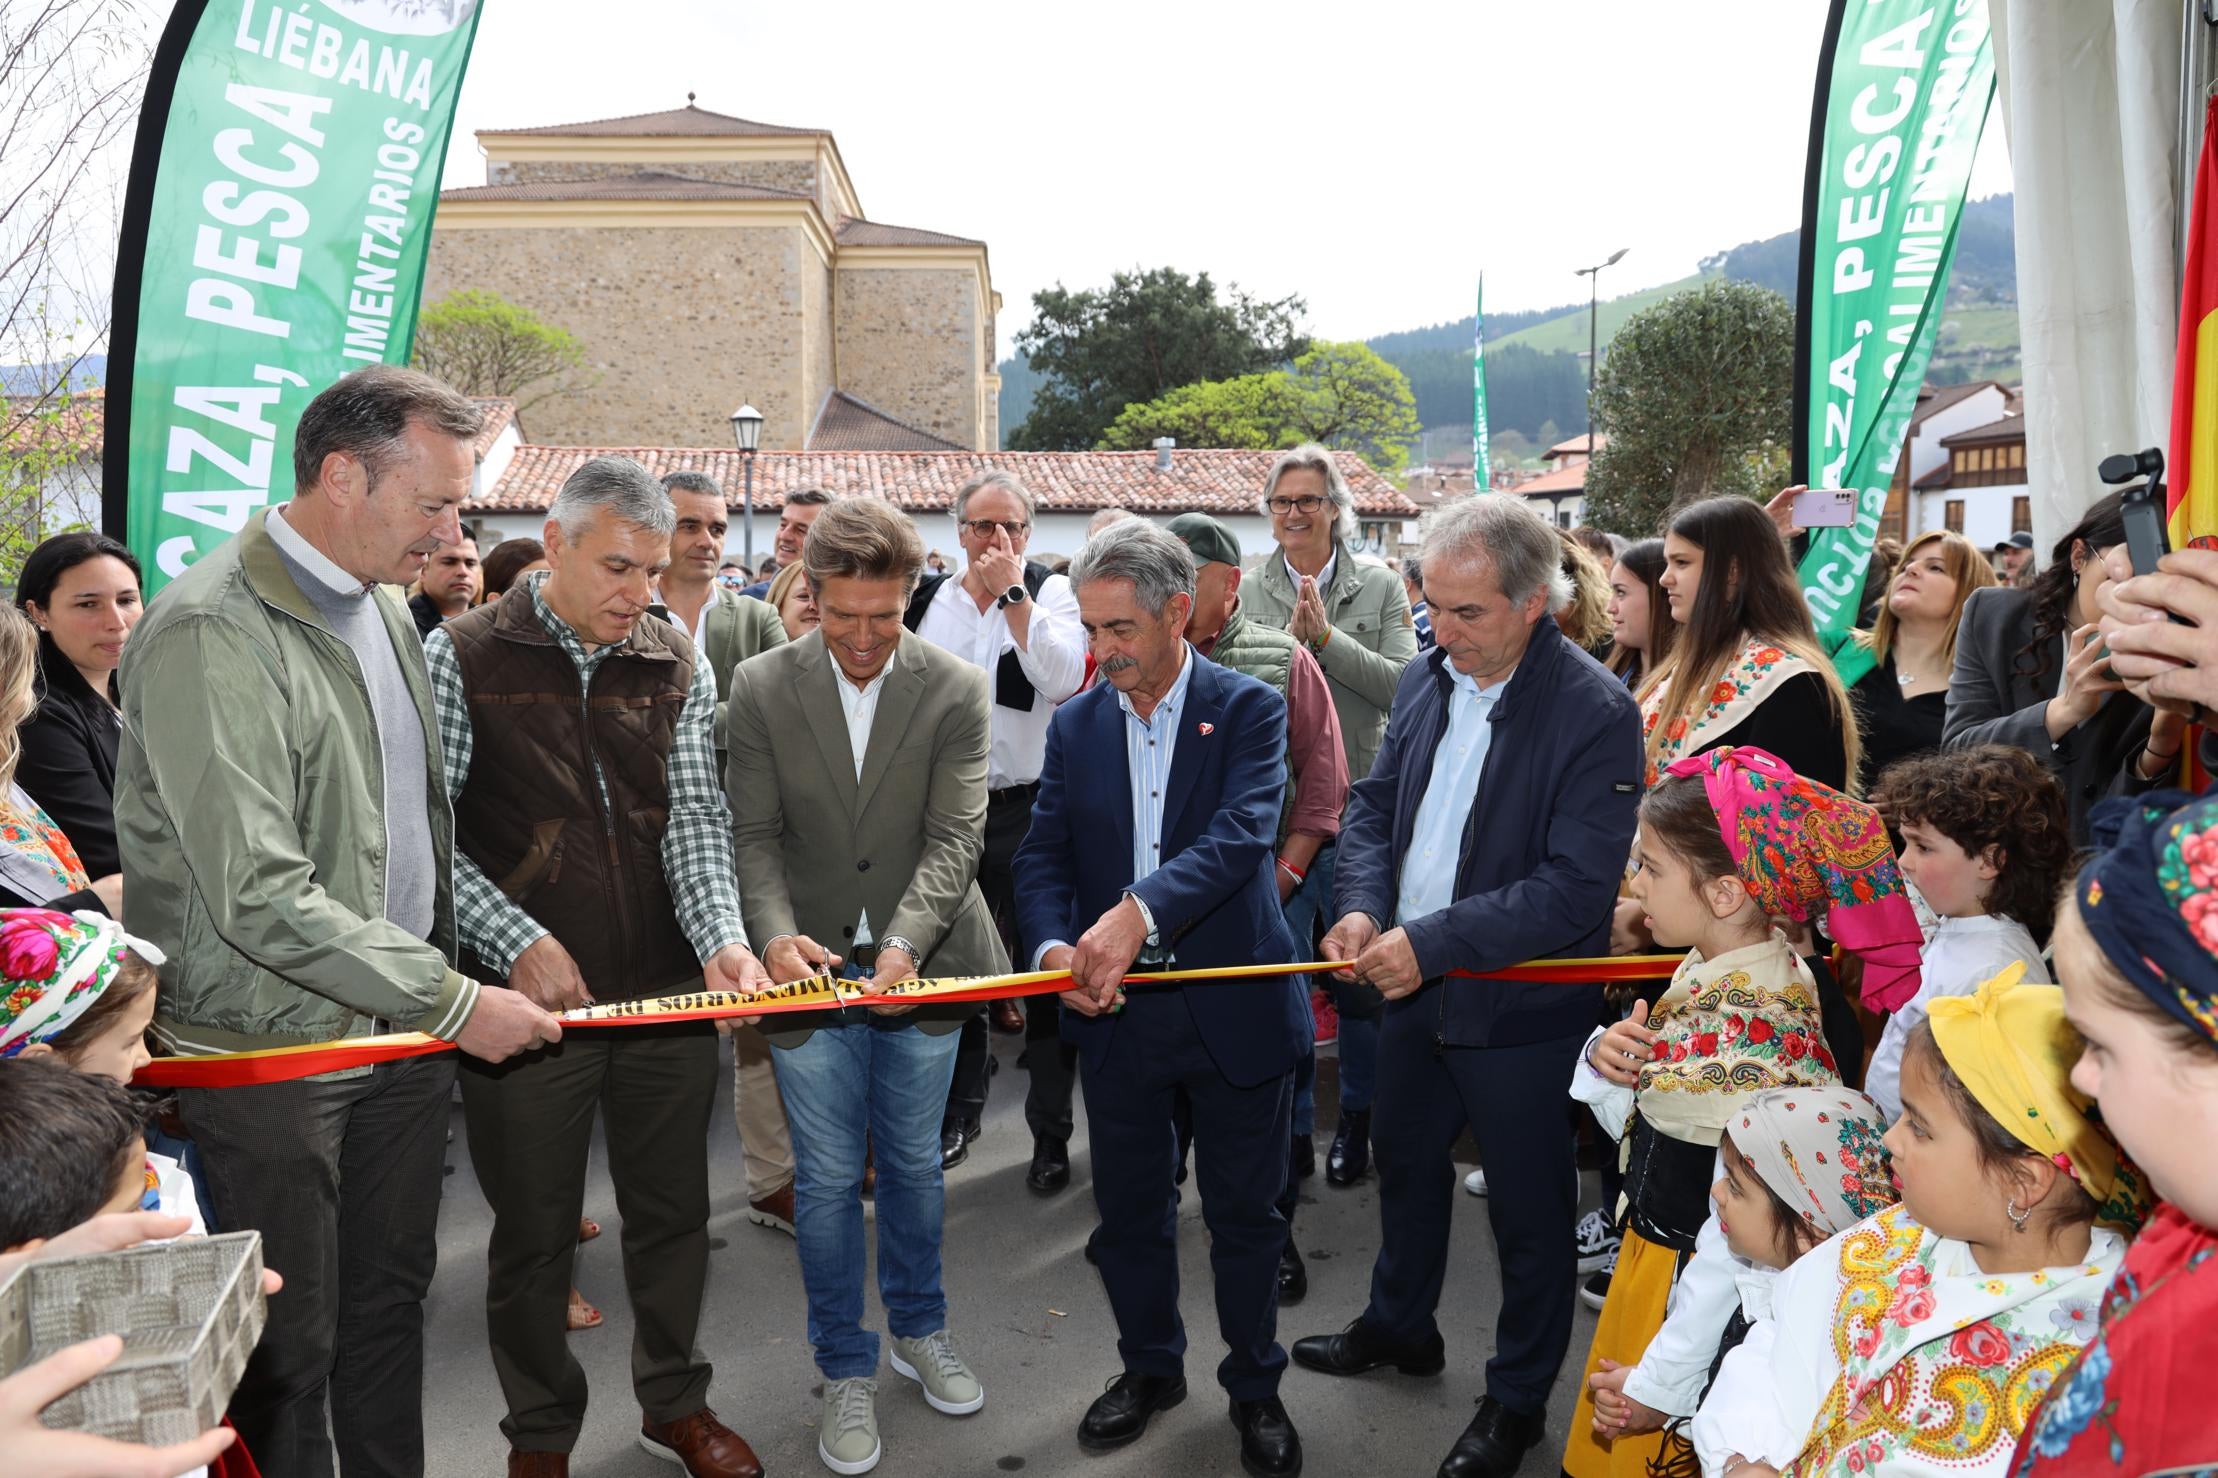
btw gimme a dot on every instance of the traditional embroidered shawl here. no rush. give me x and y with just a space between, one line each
2139 1399
1736 1025
1897 1355
1749 679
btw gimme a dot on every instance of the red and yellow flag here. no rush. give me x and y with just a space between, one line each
2194 460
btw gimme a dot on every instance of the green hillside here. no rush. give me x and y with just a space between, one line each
1567 334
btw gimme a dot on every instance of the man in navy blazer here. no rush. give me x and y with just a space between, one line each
1152 847
1494 828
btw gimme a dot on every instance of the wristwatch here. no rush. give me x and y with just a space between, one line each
1015 595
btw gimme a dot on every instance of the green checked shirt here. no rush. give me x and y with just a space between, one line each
696 845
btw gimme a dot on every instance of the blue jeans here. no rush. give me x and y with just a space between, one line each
1309 913
890 1078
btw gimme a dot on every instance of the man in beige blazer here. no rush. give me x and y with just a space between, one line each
857 780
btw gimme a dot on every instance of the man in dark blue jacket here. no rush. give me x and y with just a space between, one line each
1151 846
1493 829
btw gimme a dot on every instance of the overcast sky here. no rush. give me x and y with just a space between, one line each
1372 157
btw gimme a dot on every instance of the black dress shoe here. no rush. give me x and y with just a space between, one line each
1305 1155
1269 1446
1050 1170
956 1138
1357 1349
1293 1276
1120 1413
1350 1154
1494 1443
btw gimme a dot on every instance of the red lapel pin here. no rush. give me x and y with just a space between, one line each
1209 728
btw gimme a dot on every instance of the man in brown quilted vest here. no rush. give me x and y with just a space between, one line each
593 862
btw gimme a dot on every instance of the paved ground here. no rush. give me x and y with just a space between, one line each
1028 1312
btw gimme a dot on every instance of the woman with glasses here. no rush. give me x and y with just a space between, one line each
1355 619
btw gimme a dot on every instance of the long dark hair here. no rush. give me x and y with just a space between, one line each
1646 561
2100 527
42 572
1747 592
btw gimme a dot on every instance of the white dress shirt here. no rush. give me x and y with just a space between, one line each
860 705
1436 836
1324 576
1053 658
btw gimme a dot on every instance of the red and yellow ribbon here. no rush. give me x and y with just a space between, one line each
284 1064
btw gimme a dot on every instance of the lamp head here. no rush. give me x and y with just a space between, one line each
747 427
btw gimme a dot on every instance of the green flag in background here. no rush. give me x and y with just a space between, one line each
1481 469
282 188
1903 91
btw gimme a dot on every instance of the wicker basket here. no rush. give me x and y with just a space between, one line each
189 1313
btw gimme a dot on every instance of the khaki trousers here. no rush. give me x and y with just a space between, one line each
765 1139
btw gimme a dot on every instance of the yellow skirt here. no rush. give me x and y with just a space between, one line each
1639 1291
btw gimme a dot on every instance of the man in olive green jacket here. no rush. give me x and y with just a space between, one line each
287 845
1356 619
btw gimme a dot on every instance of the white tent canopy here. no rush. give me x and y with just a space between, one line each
2102 106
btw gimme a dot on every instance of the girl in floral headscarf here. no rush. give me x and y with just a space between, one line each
1920 1341
1729 842
81 991
2137 949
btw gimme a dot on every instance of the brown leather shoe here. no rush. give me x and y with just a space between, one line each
704 1446
774 1210
1008 1017
538 1464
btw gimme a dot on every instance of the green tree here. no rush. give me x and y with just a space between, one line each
1691 391
1250 412
482 344
1343 395
1351 400
1146 334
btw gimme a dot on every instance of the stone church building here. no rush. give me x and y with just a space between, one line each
705 261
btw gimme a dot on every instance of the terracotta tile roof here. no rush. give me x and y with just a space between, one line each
1933 399
1937 478
645 184
2009 428
1570 479
846 423
925 482
857 232
500 414
1575 446
685 122
76 422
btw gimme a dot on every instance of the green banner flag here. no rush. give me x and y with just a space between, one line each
1481 468
1903 93
282 187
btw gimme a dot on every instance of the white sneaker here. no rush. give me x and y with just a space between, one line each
932 1363
847 1437
1475 1182
1596 1241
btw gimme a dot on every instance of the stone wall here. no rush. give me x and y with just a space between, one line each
909 345
680 324
781 174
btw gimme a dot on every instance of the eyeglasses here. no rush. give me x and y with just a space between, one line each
1307 504
983 528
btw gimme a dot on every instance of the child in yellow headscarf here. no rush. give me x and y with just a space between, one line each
1920 1341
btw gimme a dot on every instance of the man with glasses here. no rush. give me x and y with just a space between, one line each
1011 617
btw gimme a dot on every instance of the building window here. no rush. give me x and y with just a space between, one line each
2017 455
1952 515
2021 515
1960 461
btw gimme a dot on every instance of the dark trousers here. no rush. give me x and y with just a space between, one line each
1508 1096
342 1181
1047 1100
1240 1138
530 1127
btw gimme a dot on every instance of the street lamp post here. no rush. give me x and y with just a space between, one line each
1593 276
747 431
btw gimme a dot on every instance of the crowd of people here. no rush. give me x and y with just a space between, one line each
1877 1196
